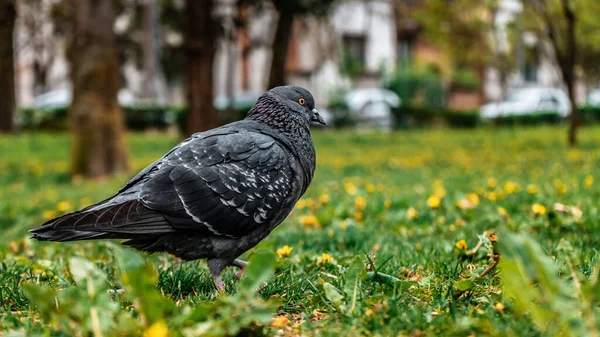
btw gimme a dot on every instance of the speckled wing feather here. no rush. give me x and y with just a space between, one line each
229 184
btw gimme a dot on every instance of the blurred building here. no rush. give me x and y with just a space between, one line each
534 66
351 48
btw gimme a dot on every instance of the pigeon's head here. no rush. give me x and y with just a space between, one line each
287 105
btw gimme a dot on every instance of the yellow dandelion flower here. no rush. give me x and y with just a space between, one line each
370 188
491 196
538 209
325 259
502 211
499 307
464 204
588 182
344 224
350 188
461 244
532 189
64 206
360 203
492 182
452 227
412 213
324 199
460 222
309 221
433 201
440 192
284 251
387 204
280 322
158 329
473 198
561 188
510 187
84 202
301 204
49 214
359 216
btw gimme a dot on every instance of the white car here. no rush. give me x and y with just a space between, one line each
529 101
62 98
593 98
373 107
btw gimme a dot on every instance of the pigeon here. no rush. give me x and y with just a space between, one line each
215 195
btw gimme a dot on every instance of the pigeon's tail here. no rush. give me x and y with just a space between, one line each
105 220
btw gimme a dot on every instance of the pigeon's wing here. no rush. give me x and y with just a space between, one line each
229 184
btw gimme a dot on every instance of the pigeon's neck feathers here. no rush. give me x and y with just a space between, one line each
270 110
273 115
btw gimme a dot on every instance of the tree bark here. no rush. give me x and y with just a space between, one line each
200 47
280 49
7 65
96 119
244 40
569 59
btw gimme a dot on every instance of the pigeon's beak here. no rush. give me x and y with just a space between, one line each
317 118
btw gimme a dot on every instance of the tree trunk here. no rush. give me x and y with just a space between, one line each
200 34
149 49
280 48
569 59
7 65
95 117
244 40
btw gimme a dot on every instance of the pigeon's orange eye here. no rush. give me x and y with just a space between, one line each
302 101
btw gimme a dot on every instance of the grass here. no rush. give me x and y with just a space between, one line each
376 244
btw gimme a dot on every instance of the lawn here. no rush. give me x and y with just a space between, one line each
398 235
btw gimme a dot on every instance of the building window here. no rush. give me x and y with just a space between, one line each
354 47
531 64
405 51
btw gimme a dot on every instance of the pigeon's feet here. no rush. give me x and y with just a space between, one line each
215 267
219 284
241 265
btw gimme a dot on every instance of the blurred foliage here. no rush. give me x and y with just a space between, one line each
137 118
349 66
91 307
417 87
461 28
383 243
342 115
540 117
153 117
427 116
464 79
559 302
545 17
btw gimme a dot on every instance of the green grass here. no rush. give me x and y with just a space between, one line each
391 272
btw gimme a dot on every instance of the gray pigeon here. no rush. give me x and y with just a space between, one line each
215 195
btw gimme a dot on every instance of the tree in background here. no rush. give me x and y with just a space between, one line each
35 22
287 10
7 65
572 29
200 44
462 29
95 117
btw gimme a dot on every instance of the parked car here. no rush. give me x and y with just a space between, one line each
372 107
529 101
240 100
62 98
593 98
